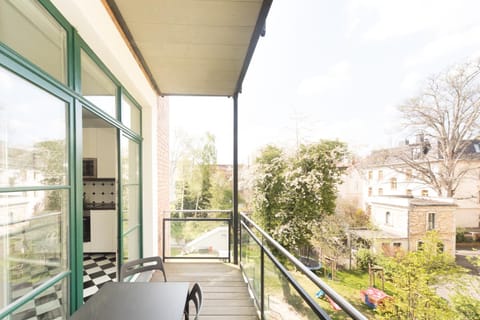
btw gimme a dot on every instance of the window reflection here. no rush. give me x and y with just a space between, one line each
33 235
33 132
97 86
130 197
130 114
29 29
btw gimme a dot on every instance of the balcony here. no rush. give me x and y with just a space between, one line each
266 284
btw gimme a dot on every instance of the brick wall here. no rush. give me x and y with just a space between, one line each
163 164
444 224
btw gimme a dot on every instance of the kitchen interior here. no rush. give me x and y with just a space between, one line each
100 196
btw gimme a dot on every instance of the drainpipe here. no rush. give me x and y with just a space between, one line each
408 227
235 178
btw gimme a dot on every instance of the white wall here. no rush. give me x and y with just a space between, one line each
101 143
467 218
96 27
398 218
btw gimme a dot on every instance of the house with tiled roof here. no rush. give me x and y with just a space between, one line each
403 206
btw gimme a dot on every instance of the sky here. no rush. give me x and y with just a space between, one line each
335 70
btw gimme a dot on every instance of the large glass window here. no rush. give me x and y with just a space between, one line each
26 27
431 221
33 149
34 195
130 188
130 114
97 86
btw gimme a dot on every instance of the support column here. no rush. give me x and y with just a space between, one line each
235 179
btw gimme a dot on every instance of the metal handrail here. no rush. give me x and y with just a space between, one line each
200 211
40 217
339 300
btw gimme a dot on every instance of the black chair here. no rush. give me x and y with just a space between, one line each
141 266
195 295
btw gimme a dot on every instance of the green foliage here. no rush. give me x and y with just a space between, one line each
269 187
466 301
466 307
460 235
365 257
196 165
185 200
51 158
293 193
330 235
413 276
222 191
353 216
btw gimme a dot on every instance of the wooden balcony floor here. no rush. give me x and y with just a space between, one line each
225 293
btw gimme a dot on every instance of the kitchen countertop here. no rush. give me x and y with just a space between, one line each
99 206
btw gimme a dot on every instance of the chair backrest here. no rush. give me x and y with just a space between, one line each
133 267
196 297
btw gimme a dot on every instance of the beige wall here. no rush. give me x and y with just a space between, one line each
466 195
444 224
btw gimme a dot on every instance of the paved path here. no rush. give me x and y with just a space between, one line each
461 258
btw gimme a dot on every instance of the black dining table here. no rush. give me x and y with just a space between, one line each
135 300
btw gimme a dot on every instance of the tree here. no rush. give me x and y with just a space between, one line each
445 115
50 158
208 160
195 163
413 276
293 193
269 186
466 302
353 216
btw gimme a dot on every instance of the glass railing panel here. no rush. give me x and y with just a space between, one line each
288 288
33 240
130 241
281 299
197 238
251 263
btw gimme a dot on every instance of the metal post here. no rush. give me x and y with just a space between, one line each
235 178
262 281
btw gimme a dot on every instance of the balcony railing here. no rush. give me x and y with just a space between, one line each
197 234
277 292
276 289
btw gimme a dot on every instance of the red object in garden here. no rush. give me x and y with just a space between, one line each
375 296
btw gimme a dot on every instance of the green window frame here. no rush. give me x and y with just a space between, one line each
69 90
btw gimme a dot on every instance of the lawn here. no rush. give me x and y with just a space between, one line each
347 284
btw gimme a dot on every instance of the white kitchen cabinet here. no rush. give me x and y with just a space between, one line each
89 143
100 143
106 152
103 224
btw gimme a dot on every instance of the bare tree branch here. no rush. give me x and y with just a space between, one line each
446 115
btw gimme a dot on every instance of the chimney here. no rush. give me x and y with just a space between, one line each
419 138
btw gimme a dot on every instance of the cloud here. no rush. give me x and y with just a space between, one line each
335 77
444 45
382 19
412 81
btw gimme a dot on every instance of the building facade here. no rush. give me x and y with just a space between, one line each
84 125
404 222
71 91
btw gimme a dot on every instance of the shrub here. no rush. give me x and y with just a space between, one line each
460 236
364 258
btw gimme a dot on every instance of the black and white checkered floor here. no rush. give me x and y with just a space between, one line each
48 305
98 268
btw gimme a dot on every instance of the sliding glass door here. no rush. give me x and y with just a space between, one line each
34 199
130 199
